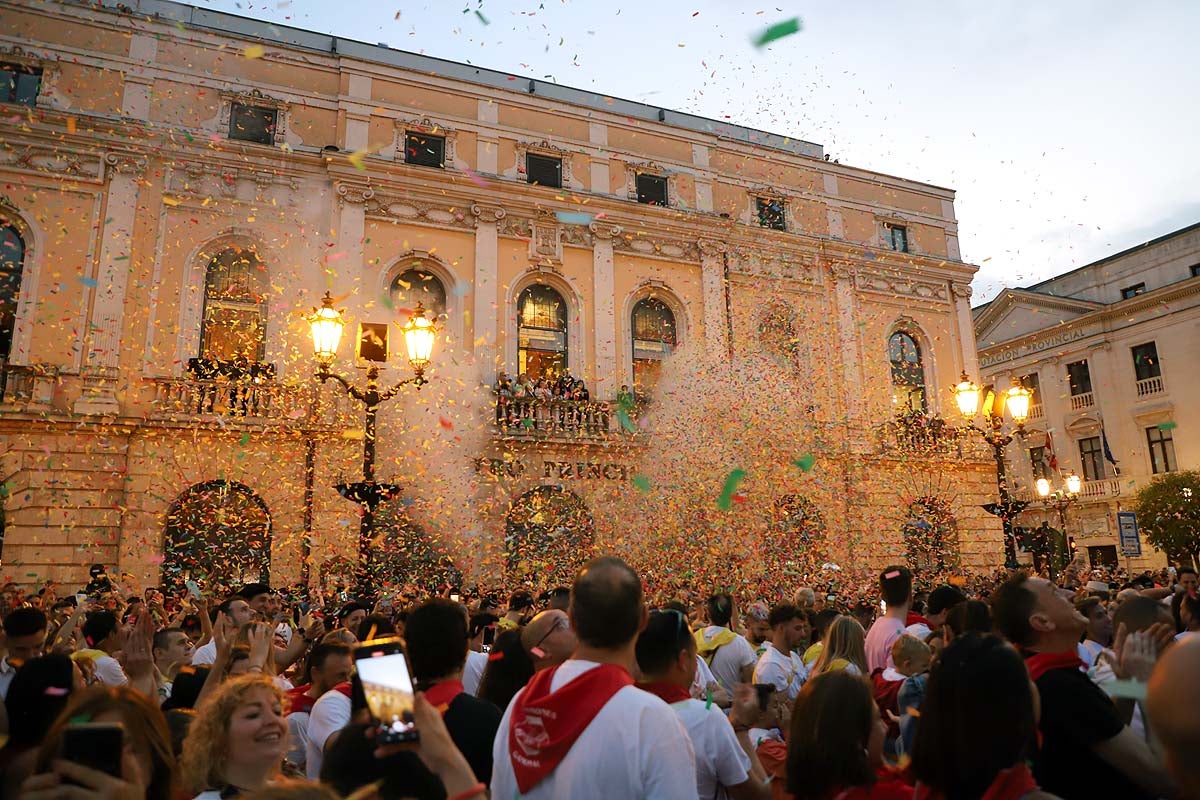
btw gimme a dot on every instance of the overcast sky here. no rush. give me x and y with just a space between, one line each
1069 129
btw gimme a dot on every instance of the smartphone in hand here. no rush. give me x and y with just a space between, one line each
98 745
388 686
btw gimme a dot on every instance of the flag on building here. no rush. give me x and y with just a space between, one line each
1108 456
1051 459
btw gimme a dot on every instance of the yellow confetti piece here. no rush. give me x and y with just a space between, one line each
356 158
254 51
170 201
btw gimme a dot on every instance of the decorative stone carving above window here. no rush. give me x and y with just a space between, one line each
255 99
432 128
545 148
545 243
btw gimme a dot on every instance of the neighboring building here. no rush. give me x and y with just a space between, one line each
1111 352
181 186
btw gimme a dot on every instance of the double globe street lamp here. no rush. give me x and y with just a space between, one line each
419 334
1015 400
1060 500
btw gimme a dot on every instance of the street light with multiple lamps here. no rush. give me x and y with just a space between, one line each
1015 399
1060 500
419 334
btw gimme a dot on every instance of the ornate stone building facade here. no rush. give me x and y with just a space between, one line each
180 187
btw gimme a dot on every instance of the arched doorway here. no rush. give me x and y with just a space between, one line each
405 555
217 533
931 536
541 332
548 536
653 327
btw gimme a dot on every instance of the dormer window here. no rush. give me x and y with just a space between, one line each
543 170
250 123
651 189
772 213
425 150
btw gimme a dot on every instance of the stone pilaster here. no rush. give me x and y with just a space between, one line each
964 327
716 314
604 292
351 224
122 171
848 345
485 315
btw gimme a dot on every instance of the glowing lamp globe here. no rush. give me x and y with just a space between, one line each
1017 400
1043 487
967 394
419 335
1074 484
327 324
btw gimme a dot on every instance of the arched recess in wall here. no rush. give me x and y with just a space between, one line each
931 536
20 263
218 533
650 335
576 338
548 535
908 354
415 275
196 271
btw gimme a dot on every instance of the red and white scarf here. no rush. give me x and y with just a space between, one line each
545 724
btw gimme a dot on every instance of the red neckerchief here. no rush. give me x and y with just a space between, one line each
913 618
343 688
298 701
441 695
669 692
1041 663
1009 784
544 724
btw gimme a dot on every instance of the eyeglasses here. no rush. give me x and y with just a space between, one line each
561 622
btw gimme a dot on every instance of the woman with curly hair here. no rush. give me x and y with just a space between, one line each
237 741
147 764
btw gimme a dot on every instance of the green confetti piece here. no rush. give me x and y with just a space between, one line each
708 702
725 501
482 18
1166 426
527 423
805 462
245 440
777 31
641 483
626 422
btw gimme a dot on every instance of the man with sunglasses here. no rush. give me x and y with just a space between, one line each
725 762
548 639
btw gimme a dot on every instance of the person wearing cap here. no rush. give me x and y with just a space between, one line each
100 583
351 615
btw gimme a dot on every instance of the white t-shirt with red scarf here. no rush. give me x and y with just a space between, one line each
634 747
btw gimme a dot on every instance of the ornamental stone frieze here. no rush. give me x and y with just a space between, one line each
651 246
200 181
355 194
406 209
962 290
745 261
124 164
488 214
51 160
903 287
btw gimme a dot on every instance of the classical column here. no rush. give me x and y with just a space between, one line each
100 369
716 312
848 344
965 327
485 315
604 297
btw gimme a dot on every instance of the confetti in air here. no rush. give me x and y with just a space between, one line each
777 31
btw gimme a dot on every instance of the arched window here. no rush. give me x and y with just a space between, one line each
930 536
653 331
218 532
12 262
547 537
541 332
235 307
406 554
908 373
415 285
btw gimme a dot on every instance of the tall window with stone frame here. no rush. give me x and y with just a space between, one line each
1079 377
908 372
235 307
416 284
1039 463
1033 384
19 84
1162 450
1091 456
12 265
541 332
653 333
1145 361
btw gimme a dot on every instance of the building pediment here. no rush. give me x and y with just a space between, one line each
1018 312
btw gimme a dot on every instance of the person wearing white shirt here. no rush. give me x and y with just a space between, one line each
237 612
729 655
632 745
780 666
329 715
1099 630
102 631
725 764
25 639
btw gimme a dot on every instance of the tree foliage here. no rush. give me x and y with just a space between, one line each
1168 512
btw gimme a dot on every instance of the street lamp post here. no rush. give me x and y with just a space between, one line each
1060 500
967 394
327 324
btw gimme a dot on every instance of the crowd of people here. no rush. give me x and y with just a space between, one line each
561 401
1000 687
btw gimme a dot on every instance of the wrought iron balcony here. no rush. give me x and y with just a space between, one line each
526 418
924 435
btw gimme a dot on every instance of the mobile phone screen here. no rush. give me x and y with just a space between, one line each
388 687
193 587
489 635
96 745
